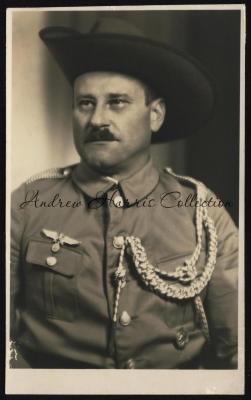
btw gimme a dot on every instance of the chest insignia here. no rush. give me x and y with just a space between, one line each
59 239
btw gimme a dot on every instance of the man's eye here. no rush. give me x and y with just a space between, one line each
86 104
118 103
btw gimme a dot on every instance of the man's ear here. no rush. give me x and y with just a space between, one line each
157 114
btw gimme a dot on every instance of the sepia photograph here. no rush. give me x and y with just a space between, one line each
125 200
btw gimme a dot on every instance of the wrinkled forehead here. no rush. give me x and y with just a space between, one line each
107 81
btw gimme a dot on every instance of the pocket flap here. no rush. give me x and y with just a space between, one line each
67 261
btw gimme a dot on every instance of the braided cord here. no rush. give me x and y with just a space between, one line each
202 316
151 278
120 277
191 283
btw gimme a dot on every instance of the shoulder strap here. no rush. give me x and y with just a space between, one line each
52 173
201 189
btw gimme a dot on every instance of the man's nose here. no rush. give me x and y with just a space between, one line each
99 116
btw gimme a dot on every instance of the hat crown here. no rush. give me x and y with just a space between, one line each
116 26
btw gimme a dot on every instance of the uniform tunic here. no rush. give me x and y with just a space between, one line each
63 300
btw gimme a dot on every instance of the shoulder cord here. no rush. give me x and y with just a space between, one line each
186 274
120 277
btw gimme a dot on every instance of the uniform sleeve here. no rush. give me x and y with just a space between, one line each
222 297
17 226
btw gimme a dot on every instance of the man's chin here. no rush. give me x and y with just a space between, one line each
104 163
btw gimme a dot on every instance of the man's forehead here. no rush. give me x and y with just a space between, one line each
107 81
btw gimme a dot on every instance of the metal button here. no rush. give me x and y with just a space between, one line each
181 338
66 171
51 261
130 364
125 318
118 242
118 201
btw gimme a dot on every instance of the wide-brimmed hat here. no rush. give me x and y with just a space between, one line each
116 45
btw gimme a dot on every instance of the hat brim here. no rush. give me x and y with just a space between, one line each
179 79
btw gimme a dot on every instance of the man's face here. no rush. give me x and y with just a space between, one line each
111 121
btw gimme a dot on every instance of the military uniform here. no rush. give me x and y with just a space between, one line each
109 273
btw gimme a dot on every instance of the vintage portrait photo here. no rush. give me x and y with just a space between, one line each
125 201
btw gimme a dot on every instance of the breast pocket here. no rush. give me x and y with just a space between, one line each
184 309
50 279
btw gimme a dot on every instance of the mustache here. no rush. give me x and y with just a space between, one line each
100 134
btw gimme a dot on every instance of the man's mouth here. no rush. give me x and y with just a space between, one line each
100 136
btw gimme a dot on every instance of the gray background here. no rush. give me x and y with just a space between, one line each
41 98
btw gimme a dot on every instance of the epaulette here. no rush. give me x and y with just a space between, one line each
51 173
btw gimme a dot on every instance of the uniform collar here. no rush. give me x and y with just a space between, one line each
133 187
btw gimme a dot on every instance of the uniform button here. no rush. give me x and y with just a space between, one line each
66 171
118 201
51 261
181 338
130 364
118 242
125 318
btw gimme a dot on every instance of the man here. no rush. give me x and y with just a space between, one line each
115 264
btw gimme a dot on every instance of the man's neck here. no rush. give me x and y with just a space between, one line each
117 172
